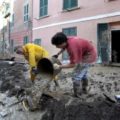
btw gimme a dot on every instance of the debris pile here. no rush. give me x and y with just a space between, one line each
59 103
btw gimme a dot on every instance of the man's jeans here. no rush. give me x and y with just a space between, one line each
79 78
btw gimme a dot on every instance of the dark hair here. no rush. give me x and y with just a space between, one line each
16 48
59 38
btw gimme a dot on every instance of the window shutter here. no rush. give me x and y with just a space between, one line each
103 42
37 41
68 4
26 12
69 32
26 40
74 3
65 4
43 7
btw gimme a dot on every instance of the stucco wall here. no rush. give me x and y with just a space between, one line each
21 29
96 11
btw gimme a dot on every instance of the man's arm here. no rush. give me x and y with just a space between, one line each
67 66
56 66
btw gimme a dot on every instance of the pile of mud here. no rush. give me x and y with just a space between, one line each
12 78
99 104
74 109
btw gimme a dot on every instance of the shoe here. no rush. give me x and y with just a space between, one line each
86 89
76 95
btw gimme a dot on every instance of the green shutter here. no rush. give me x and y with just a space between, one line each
73 32
37 41
41 3
41 11
45 10
103 42
27 8
45 2
73 3
43 7
26 40
69 32
66 32
67 4
26 11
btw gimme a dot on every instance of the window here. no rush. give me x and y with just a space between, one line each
26 40
37 41
103 43
68 4
69 32
26 11
43 8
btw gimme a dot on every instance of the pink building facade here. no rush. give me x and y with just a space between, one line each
21 22
96 20
38 20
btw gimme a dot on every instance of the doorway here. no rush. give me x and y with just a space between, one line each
115 38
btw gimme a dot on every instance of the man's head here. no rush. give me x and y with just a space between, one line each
18 50
59 40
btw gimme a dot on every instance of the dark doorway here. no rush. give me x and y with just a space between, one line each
115 46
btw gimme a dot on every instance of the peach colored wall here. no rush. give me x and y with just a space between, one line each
86 29
87 8
20 29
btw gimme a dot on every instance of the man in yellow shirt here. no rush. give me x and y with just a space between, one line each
32 53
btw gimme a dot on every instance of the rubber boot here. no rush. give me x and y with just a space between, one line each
85 85
76 89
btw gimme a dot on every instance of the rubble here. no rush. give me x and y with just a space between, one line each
58 103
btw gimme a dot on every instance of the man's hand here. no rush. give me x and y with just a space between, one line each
60 52
55 56
56 66
34 71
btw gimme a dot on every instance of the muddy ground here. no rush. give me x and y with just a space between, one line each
98 104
